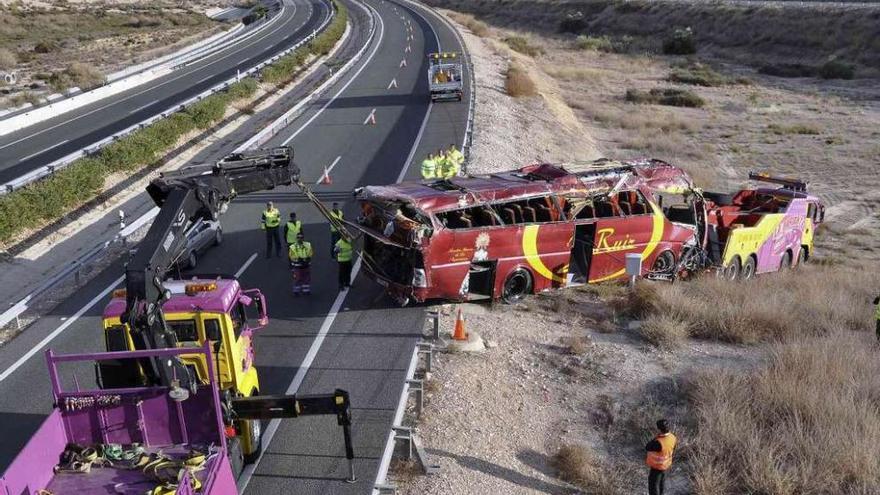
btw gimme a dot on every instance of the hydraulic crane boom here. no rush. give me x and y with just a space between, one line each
183 197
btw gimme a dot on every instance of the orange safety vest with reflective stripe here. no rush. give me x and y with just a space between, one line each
661 461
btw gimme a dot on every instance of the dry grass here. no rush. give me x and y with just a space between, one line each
519 83
523 45
807 129
673 97
77 74
479 28
7 59
574 73
774 307
807 423
578 466
576 345
664 331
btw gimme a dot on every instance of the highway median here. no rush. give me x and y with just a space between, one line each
26 210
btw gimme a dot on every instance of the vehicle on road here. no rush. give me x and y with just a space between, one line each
203 235
445 76
154 439
514 233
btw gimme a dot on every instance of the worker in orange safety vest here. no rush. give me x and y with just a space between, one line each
659 457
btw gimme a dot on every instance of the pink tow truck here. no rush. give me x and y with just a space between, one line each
164 439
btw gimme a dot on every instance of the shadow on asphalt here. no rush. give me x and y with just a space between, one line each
501 472
18 429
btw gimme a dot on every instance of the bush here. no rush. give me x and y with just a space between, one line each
804 422
518 82
45 47
682 42
522 45
573 23
698 75
578 466
835 69
596 43
808 129
477 27
8 60
665 96
788 70
245 88
664 331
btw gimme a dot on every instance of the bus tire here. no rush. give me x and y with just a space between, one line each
664 262
517 285
803 256
748 269
785 263
731 271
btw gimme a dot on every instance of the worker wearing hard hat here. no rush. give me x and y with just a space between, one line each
300 253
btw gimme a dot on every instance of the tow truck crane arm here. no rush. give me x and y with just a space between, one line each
183 197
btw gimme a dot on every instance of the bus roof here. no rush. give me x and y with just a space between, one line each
531 180
217 300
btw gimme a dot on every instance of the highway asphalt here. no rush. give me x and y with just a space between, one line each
40 144
365 343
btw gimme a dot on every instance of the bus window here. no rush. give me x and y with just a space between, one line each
478 216
605 207
632 203
185 330
587 212
545 210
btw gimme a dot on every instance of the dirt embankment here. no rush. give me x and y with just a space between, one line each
747 33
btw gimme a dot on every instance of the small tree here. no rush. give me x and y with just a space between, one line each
682 42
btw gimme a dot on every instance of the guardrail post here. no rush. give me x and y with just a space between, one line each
427 349
405 434
435 315
415 385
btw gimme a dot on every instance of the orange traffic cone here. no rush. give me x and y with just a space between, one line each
459 333
325 179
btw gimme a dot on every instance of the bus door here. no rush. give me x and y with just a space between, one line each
624 224
581 254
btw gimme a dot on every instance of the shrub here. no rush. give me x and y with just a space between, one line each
596 43
681 42
45 46
522 45
698 75
578 466
804 422
8 60
835 69
519 83
573 22
787 70
780 129
245 88
477 27
664 331
665 96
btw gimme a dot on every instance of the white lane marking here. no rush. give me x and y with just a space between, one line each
245 265
371 118
403 62
120 100
138 109
43 150
209 76
326 173
70 321
392 84
353 78
39 347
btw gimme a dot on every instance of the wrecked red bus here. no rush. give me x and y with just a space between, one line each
514 233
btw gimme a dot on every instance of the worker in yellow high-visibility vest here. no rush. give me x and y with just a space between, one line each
270 222
300 254
444 165
429 167
457 159
343 252
292 228
336 214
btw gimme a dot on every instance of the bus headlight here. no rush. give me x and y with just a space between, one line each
419 279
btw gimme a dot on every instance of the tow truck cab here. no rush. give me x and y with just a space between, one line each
199 310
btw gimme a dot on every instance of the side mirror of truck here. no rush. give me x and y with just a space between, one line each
258 300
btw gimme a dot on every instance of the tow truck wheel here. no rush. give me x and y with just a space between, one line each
517 285
802 256
731 271
255 437
748 270
192 260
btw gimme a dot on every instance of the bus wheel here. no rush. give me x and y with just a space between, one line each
517 286
802 256
748 270
665 263
785 264
731 271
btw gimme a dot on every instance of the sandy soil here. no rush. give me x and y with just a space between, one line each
495 419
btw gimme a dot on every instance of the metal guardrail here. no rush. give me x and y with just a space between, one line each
74 268
95 147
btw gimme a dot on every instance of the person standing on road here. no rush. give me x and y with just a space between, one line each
336 214
444 165
343 251
300 254
429 167
292 228
270 222
877 315
659 457
456 158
